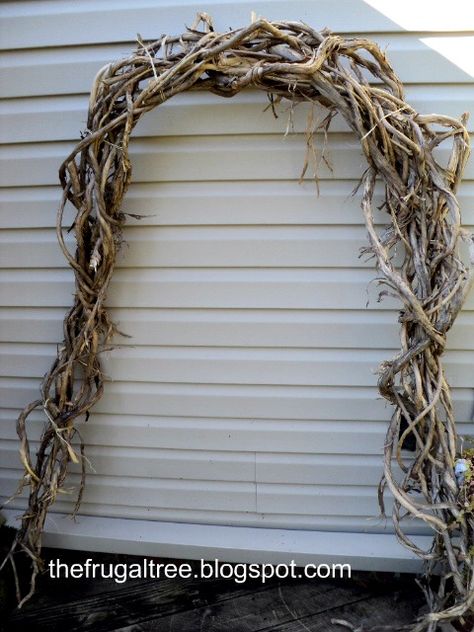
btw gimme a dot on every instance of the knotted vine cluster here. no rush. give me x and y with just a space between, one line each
350 76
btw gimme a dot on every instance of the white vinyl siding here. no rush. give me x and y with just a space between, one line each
246 396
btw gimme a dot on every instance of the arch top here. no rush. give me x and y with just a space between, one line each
349 75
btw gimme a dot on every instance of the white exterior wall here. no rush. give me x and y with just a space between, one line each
247 395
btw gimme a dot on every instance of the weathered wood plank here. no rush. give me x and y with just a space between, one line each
137 601
261 610
372 614
210 605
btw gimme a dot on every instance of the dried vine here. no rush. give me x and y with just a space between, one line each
347 75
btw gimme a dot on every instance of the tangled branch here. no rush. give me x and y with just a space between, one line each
347 75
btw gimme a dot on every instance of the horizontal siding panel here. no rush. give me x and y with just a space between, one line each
206 203
210 495
34 25
221 327
227 466
205 247
43 72
310 499
233 401
317 469
211 365
289 436
60 118
252 288
31 324
179 433
196 158
303 289
239 247
143 492
201 158
348 524
233 328
214 203
201 288
46 73
307 469
153 463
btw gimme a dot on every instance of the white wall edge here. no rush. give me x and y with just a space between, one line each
364 551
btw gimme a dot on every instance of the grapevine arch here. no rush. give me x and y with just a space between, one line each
350 76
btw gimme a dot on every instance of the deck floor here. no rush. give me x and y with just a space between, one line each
367 601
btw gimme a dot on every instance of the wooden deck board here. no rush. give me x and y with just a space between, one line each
212 605
276 606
